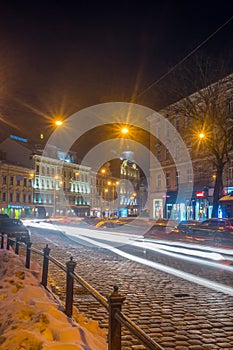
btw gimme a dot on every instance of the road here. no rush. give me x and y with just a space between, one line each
181 303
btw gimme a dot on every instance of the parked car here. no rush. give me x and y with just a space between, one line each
212 230
4 216
112 223
161 227
184 225
14 228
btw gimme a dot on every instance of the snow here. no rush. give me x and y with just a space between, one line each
32 319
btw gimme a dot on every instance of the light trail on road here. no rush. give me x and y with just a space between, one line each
187 276
94 237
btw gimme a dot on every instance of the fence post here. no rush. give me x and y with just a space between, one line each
45 266
2 241
28 255
70 265
114 329
17 246
7 242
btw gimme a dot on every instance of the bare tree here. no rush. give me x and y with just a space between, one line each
210 131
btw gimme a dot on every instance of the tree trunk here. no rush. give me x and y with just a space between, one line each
218 188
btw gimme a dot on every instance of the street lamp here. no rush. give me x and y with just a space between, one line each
58 122
201 135
56 177
124 130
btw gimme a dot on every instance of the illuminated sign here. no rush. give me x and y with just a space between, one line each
18 138
200 194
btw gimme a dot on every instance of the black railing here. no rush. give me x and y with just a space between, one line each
113 303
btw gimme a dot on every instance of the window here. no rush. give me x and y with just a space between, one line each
4 197
4 179
168 179
158 152
177 178
11 197
167 154
24 198
177 123
230 105
29 198
189 175
158 184
230 170
186 121
12 180
25 182
17 197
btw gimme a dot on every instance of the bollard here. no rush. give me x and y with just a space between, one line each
45 266
28 255
69 287
2 241
114 329
17 246
7 243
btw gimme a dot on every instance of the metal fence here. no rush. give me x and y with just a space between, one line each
113 303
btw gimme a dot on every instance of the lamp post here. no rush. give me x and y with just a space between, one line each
112 197
56 177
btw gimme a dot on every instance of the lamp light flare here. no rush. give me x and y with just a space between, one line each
58 122
124 130
201 135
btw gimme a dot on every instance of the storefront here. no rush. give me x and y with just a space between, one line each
226 203
18 211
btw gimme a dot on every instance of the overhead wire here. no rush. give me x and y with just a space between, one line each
184 58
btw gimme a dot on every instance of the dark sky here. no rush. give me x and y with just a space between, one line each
58 57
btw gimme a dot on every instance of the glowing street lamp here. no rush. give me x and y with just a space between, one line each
58 122
124 130
201 135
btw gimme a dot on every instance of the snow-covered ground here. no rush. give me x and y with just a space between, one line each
32 319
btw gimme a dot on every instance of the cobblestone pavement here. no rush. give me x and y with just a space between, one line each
177 314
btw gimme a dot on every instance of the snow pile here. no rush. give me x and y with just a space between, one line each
31 319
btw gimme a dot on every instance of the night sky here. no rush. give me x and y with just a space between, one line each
57 57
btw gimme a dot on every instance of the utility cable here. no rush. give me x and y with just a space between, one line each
184 59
